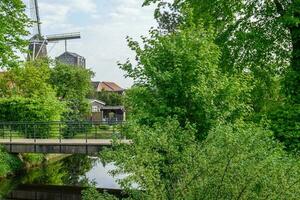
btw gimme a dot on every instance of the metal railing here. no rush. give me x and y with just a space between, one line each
61 130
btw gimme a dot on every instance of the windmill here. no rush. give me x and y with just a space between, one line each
38 43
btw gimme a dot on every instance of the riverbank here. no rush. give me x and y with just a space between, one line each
9 164
12 164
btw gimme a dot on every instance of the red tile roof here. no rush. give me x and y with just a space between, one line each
111 86
107 86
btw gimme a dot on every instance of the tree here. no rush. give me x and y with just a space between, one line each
290 17
259 37
110 98
249 33
177 75
237 161
28 80
196 87
27 95
73 84
13 109
93 194
76 167
14 23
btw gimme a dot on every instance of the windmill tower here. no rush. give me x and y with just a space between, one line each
38 43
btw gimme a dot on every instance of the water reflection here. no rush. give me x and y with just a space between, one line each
99 174
76 171
69 171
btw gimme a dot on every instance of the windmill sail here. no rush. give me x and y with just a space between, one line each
37 46
35 17
38 43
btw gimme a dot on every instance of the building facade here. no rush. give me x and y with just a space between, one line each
101 112
70 58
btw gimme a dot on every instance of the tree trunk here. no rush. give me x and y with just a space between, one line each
293 77
291 17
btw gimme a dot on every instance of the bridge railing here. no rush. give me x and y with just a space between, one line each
61 130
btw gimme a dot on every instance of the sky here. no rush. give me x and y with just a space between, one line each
104 25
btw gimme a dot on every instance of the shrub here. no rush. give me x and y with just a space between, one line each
8 163
239 161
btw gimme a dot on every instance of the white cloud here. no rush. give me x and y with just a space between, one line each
53 14
88 6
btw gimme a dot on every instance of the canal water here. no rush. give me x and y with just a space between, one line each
63 179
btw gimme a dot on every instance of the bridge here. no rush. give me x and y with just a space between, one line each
63 137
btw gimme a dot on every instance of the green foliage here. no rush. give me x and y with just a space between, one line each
8 163
285 122
211 65
20 109
243 161
29 80
71 81
92 194
51 174
76 167
6 187
14 23
234 162
73 84
31 159
291 19
69 171
177 75
28 109
260 46
260 38
27 95
110 98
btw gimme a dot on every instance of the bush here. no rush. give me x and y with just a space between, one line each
8 163
285 122
239 161
31 159
92 194
28 109
21 109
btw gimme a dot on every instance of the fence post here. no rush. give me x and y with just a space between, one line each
86 133
10 133
59 132
34 129
95 129
10 145
121 131
26 134
3 131
114 129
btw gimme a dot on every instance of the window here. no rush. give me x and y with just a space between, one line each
95 109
